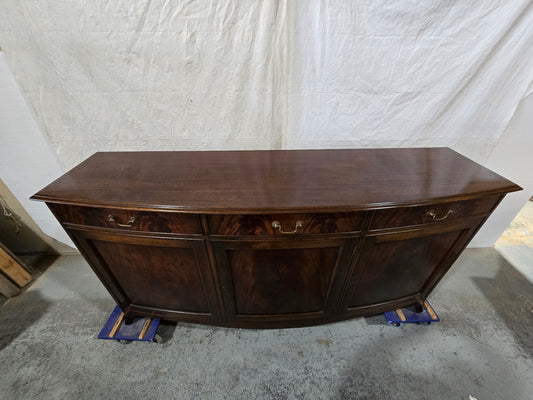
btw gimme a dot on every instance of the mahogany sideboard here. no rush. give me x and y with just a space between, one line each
273 239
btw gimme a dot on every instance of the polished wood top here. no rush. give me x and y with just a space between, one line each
277 180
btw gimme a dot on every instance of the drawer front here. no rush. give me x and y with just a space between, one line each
148 221
432 213
279 224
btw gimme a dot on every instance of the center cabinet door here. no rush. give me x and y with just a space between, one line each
278 280
163 276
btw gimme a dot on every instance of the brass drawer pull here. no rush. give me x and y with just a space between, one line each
433 214
277 225
131 221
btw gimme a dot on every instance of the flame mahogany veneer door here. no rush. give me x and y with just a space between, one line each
282 280
404 264
169 277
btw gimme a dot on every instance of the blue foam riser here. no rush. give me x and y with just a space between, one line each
128 332
411 316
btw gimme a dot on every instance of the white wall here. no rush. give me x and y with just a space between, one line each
513 159
149 75
210 74
27 161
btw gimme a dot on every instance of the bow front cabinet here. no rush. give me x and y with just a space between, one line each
273 239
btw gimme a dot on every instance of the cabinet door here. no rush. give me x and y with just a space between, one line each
398 265
276 280
169 277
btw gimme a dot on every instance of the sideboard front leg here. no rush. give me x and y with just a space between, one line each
419 306
128 318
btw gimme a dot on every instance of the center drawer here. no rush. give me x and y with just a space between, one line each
279 224
135 220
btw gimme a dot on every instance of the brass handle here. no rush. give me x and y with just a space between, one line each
433 214
277 225
131 221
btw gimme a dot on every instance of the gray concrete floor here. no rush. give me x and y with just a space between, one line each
482 348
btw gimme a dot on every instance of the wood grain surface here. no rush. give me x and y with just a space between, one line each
274 181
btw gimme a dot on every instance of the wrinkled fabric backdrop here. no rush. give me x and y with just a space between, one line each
178 75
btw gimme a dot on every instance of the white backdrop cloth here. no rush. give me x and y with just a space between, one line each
208 74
